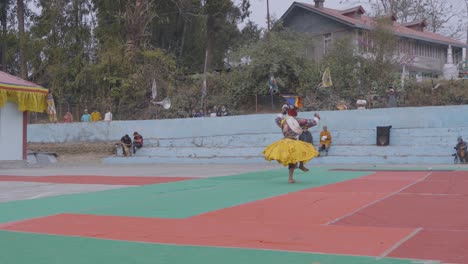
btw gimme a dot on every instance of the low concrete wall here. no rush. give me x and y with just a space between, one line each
398 118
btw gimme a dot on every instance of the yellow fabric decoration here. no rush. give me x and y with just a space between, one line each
27 98
289 151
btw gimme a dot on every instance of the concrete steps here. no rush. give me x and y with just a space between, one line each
259 159
341 154
340 150
414 136
419 135
350 146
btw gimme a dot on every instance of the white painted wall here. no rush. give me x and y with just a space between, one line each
11 132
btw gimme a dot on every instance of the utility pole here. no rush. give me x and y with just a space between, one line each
268 16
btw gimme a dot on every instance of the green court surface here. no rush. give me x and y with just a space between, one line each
177 199
181 199
459 167
21 248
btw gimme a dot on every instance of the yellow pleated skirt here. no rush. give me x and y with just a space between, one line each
289 151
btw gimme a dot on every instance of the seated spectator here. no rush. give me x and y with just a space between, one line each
68 117
461 149
208 113
95 116
341 105
86 117
325 140
126 143
200 113
361 104
137 141
215 111
224 112
108 116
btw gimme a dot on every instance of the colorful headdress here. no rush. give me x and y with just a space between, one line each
292 112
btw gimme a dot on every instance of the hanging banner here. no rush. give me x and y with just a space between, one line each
273 85
51 111
293 100
326 78
154 91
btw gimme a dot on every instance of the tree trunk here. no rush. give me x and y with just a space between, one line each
22 41
4 35
182 42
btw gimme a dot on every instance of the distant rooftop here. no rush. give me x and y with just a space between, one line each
355 17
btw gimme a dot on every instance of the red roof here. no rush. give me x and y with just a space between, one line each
13 80
368 23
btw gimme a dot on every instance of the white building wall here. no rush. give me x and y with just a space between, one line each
11 132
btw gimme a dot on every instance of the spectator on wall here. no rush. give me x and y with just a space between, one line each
108 116
68 117
86 117
95 116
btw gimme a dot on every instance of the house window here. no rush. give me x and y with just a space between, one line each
327 42
364 41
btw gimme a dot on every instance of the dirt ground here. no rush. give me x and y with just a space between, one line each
84 152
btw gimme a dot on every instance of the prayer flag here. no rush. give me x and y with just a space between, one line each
273 85
154 91
204 88
326 78
293 100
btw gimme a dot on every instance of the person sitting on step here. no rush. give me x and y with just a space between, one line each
461 149
137 141
126 143
325 140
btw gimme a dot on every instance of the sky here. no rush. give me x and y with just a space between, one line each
278 7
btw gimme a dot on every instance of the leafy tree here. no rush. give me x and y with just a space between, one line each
60 49
222 17
137 16
281 54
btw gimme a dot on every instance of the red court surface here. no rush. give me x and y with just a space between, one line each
450 246
369 241
438 206
405 214
90 179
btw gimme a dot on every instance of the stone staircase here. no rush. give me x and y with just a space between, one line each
350 146
419 135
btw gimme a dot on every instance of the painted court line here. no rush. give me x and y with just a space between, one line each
399 243
94 179
41 195
378 200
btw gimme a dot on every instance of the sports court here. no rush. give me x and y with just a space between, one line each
333 214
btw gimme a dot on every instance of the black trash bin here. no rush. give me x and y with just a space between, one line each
383 135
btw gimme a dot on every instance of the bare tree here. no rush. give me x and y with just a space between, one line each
466 20
438 13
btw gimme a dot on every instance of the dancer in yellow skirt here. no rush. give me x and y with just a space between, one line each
289 151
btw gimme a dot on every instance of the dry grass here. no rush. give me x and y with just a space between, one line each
81 152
